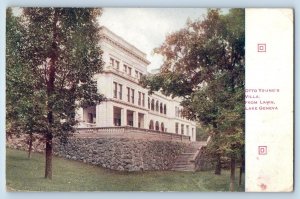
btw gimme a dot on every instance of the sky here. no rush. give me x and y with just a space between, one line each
146 28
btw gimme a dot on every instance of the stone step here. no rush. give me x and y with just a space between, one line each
185 157
181 165
184 166
185 160
183 169
187 153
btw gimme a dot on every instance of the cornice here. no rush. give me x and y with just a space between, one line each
121 47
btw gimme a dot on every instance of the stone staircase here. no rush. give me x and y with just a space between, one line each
186 160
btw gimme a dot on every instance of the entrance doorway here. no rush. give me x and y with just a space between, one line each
129 118
117 116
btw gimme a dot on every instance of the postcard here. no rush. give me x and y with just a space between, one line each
149 99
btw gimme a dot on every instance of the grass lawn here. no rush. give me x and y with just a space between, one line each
24 174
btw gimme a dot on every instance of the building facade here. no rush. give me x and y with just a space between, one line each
129 104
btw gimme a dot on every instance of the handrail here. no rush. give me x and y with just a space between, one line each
199 149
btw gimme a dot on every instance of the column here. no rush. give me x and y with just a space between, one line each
124 117
79 114
79 117
146 120
98 115
135 119
109 115
102 115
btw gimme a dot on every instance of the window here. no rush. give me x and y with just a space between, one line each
128 94
151 125
111 62
120 91
157 106
115 89
129 71
139 98
149 103
162 127
132 96
91 118
157 126
136 74
187 130
143 99
176 127
117 65
176 111
114 63
192 132
182 129
130 123
152 104
161 108
125 68
141 75
165 109
117 121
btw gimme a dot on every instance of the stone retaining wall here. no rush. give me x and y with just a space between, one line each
22 143
113 153
122 153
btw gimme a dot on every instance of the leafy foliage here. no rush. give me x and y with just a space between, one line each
204 63
52 56
33 40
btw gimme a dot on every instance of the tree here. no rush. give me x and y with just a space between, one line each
204 65
19 90
59 54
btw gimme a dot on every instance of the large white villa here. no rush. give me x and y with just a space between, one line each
129 104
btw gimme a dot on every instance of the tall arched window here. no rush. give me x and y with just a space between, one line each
157 126
152 104
157 106
151 125
148 102
162 126
165 109
161 108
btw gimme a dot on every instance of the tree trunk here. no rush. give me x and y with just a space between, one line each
218 165
240 177
30 145
48 152
242 170
50 90
232 173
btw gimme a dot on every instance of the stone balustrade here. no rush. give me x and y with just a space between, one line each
131 132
